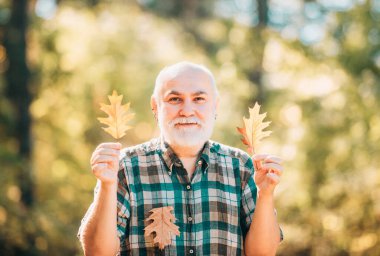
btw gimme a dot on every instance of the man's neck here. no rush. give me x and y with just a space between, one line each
188 156
186 151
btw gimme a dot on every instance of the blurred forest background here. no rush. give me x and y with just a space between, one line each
314 65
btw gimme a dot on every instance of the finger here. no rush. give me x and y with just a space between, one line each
277 172
272 167
273 178
104 151
97 169
104 159
114 145
273 159
264 171
258 165
260 157
108 151
267 158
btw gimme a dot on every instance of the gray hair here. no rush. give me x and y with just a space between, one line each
172 71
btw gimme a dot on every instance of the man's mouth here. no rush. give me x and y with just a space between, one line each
186 124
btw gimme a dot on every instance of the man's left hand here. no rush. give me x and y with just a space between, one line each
268 170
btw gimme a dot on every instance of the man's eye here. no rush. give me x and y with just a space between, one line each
199 99
174 99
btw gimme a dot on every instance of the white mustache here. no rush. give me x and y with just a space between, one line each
184 120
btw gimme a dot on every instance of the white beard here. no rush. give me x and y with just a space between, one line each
186 136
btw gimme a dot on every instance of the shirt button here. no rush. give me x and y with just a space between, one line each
200 162
188 187
190 219
191 251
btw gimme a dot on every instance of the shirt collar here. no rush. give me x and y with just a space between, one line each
171 159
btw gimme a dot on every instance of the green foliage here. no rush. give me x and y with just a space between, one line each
322 99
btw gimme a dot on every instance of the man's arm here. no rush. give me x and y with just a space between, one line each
98 234
263 236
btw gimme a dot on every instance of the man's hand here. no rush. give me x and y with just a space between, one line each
268 170
99 232
263 236
105 162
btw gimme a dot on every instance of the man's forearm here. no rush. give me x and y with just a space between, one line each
99 234
264 233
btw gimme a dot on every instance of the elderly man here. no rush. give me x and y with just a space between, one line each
221 204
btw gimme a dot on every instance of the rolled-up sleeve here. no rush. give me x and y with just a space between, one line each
248 199
123 206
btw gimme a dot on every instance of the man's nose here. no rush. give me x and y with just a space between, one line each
187 109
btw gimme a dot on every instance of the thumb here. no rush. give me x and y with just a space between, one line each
258 165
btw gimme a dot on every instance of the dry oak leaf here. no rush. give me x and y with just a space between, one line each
162 225
118 116
253 130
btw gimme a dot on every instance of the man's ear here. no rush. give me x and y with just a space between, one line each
153 105
216 106
217 103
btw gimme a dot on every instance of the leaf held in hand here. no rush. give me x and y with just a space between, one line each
162 226
118 116
253 130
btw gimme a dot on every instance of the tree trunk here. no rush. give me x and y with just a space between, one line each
255 72
262 9
17 76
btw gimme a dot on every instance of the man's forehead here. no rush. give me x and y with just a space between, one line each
188 74
185 77
189 82
184 68
185 87
175 92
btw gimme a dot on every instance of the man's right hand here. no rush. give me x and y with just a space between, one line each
105 162
99 232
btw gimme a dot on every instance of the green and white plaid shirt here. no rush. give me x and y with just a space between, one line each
213 209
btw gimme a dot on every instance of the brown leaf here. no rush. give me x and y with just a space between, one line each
253 130
162 225
118 116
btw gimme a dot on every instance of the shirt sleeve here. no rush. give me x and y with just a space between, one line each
248 197
123 207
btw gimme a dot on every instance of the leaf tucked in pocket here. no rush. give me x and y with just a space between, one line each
118 116
253 130
162 226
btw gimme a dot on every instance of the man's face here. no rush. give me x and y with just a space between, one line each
186 108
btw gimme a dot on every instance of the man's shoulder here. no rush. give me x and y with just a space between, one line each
229 151
146 148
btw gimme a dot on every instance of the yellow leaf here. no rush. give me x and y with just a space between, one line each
253 130
162 226
118 116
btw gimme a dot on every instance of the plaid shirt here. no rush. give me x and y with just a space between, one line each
213 209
